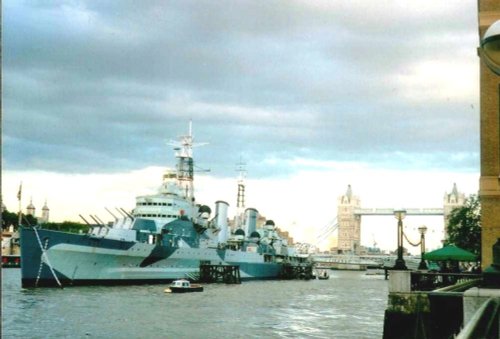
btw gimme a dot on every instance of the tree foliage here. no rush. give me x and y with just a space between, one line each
10 218
66 226
464 226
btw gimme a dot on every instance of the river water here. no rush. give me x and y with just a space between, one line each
348 305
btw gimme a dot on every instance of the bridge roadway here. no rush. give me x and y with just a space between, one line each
365 260
390 211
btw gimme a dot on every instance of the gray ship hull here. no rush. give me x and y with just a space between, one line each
77 259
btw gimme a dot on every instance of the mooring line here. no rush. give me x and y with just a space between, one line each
41 265
44 253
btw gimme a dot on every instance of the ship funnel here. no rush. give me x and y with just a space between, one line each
250 220
221 220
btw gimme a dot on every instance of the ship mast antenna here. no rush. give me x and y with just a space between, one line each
185 165
240 200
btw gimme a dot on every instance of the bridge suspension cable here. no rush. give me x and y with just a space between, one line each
327 231
327 228
328 225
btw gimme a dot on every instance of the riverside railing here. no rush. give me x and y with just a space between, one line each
484 323
430 281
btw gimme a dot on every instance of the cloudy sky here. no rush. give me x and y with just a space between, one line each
311 95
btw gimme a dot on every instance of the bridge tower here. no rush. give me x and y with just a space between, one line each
349 231
451 201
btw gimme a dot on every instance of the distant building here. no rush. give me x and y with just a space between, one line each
305 248
261 221
450 202
285 235
45 214
31 210
489 183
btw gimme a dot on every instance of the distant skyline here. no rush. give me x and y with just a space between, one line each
311 95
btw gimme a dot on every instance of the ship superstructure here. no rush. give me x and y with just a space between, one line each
166 237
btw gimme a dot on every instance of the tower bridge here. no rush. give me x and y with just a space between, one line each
349 215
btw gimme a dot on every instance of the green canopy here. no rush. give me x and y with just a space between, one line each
450 252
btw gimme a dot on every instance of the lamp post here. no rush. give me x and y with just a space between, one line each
400 262
422 229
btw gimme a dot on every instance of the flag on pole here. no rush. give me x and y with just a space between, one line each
20 191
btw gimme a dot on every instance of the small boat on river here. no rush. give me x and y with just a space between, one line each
323 275
183 286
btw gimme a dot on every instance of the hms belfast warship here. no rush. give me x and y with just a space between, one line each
167 236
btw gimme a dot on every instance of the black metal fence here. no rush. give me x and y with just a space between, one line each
427 281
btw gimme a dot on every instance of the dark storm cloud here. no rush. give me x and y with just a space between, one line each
101 85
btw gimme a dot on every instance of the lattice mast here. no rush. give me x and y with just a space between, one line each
185 165
240 199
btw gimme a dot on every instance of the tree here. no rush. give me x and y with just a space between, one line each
29 220
66 226
464 226
11 218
